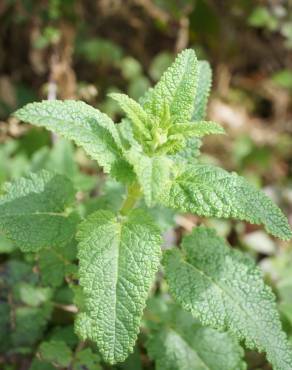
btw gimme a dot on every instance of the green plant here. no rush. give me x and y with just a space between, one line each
154 152
274 18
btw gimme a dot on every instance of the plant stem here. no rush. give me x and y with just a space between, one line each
134 194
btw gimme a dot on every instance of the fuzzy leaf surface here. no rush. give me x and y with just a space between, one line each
135 113
179 342
176 88
200 349
94 131
118 262
203 90
197 129
210 191
152 173
191 151
224 289
33 211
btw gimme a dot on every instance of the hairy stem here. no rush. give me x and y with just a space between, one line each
134 194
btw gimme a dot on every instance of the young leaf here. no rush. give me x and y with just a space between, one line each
94 131
203 90
135 113
153 173
33 211
190 153
224 289
197 129
210 191
126 132
176 88
123 172
191 150
118 261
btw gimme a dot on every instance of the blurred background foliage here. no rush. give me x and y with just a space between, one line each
86 49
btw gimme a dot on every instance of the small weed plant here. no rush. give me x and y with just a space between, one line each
219 299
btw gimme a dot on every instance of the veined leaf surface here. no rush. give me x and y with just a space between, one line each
118 262
224 289
33 211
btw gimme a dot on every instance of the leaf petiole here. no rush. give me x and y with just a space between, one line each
134 194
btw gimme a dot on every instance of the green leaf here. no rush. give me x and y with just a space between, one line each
189 154
99 50
184 344
152 172
29 325
203 90
56 352
86 359
210 191
191 150
61 159
33 295
33 211
6 245
65 334
197 129
176 88
178 341
224 289
134 361
159 64
131 69
135 113
262 17
84 326
123 172
94 131
52 267
54 263
41 365
126 132
118 260
17 272
111 197
283 78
